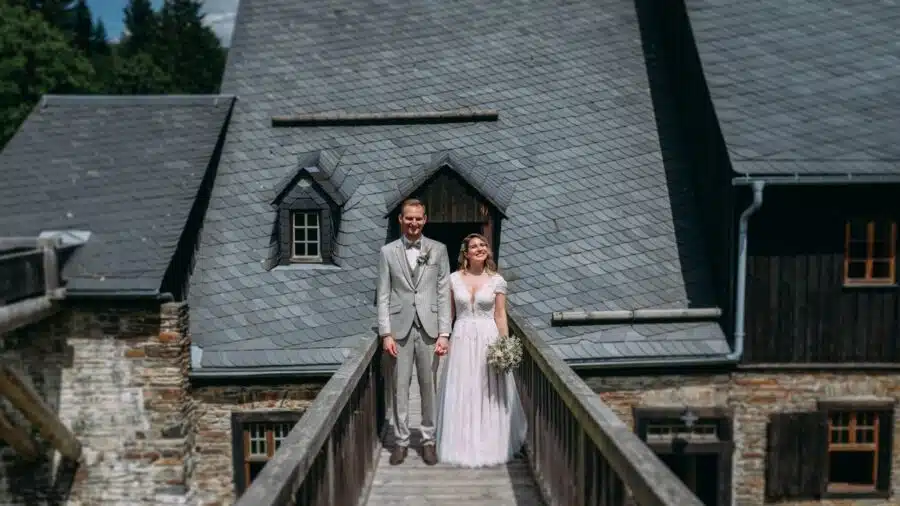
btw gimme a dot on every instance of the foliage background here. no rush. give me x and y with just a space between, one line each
56 46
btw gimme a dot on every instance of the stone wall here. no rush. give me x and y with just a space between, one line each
211 479
752 397
114 372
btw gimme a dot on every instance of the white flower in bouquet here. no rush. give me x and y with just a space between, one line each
505 353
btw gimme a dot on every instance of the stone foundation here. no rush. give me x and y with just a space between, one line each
752 397
114 373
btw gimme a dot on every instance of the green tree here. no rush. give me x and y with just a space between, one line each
142 26
56 12
189 51
137 74
99 42
35 59
82 27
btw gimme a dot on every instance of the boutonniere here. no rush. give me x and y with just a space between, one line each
423 257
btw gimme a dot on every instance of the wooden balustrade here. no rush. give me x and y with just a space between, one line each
580 451
328 456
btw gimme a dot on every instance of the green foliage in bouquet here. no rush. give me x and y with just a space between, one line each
505 354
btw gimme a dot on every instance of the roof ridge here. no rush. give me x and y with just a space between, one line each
131 100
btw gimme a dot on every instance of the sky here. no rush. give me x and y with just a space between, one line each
219 15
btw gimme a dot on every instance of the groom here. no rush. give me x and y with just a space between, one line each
413 296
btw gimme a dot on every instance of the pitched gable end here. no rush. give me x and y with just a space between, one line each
323 169
496 190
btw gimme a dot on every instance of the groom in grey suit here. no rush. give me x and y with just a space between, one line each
413 295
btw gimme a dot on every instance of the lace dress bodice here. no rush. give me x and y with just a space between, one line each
479 305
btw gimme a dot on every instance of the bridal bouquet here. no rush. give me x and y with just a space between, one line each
505 353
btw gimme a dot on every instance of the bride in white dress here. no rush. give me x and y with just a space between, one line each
480 421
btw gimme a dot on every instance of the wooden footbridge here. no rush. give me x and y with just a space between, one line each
578 452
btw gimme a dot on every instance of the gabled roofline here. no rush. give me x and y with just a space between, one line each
320 167
462 168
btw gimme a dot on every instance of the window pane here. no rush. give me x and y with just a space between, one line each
255 468
858 250
312 219
881 269
883 231
257 439
852 468
856 270
312 249
299 249
881 249
312 234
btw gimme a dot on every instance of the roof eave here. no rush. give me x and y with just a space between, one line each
815 179
650 362
119 294
301 371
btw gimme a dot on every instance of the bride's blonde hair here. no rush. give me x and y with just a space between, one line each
489 266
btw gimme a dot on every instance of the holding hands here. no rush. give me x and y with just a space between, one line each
442 346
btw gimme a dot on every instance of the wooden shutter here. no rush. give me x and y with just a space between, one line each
797 456
885 448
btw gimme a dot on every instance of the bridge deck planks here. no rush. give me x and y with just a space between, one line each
414 483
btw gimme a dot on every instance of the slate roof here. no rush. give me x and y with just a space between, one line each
127 169
806 86
590 224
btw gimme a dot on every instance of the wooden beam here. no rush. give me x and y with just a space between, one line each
25 312
22 395
386 118
17 438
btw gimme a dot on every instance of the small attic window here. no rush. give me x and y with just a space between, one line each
306 236
308 203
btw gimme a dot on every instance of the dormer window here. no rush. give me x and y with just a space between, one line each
461 197
306 236
308 204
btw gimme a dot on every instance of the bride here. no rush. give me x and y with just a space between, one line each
480 421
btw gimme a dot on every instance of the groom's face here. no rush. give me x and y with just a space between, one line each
412 220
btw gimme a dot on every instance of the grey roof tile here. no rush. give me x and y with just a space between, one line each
807 86
574 162
126 168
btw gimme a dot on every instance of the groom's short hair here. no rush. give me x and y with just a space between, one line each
412 203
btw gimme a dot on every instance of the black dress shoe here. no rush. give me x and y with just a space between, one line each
398 455
429 455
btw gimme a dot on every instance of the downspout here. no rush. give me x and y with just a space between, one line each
741 291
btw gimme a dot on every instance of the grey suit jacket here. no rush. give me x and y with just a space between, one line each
400 295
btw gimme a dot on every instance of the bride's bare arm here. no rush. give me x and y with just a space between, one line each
500 314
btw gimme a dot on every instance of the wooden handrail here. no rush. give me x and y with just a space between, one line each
591 425
307 468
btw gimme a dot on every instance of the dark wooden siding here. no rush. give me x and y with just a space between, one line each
798 309
449 199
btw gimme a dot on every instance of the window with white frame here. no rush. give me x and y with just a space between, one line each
306 236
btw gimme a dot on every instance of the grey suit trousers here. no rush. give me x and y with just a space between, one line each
416 350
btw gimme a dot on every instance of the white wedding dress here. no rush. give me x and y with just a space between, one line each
480 421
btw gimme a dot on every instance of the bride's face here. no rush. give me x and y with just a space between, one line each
477 251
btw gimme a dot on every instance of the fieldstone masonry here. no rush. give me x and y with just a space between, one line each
753 397
115 374
123 398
